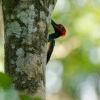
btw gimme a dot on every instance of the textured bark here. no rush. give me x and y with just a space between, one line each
26 25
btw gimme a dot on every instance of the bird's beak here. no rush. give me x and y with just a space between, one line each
53 24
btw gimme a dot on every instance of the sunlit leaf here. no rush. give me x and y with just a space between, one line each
5 80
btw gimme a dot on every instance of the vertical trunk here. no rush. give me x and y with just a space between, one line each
26 28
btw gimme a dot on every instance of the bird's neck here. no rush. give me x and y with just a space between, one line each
53 36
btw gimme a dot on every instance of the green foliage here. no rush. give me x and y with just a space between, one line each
8 92
82 43
25 97
37 98
5 80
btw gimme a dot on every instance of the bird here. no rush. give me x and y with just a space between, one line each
59 31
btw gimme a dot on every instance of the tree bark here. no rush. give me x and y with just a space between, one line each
26 25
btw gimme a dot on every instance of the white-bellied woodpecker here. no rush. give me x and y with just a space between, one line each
59 31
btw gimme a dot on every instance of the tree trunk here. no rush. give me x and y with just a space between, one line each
26 25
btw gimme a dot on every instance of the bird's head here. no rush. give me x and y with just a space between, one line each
59 29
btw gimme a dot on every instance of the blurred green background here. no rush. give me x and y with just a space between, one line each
74 70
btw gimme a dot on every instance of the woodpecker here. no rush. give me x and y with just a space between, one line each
59 32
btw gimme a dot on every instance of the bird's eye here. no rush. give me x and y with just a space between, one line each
61 28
